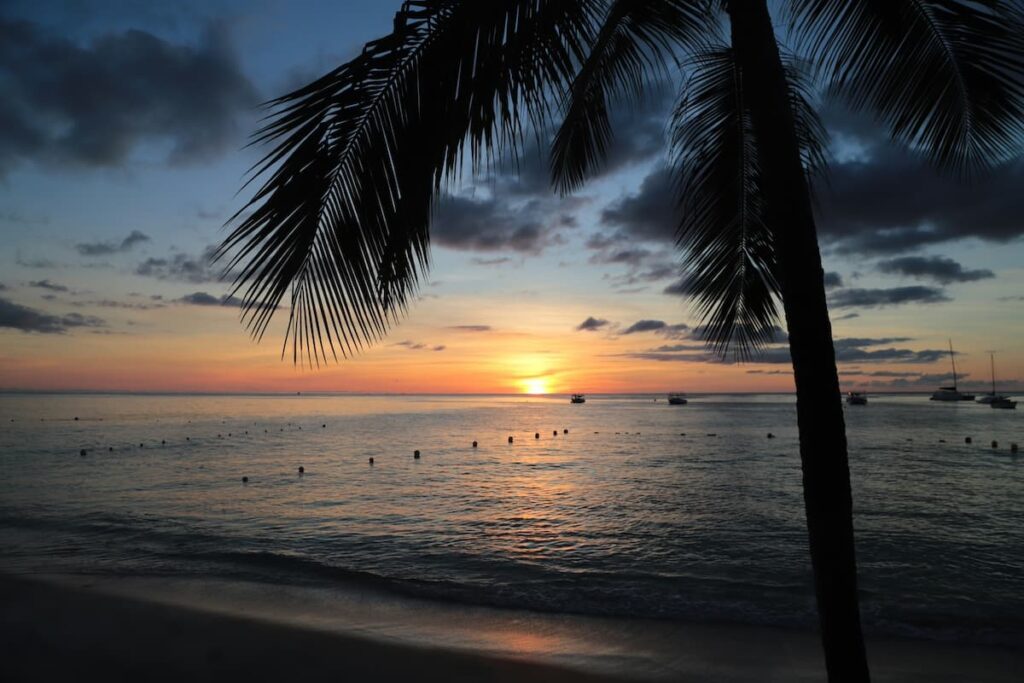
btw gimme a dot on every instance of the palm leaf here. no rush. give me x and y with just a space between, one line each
636 40
359 156
945 76
729 261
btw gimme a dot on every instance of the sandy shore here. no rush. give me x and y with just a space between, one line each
81 628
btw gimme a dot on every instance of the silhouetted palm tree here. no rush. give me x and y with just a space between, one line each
361 155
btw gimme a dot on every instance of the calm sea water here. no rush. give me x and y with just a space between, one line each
622 515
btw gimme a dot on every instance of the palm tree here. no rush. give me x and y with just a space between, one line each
360 156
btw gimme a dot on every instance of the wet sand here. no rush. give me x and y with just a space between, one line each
85 628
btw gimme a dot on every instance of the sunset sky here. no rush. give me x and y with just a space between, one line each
122 127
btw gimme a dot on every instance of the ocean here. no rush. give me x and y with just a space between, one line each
624 506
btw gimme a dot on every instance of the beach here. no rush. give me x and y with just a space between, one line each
79 628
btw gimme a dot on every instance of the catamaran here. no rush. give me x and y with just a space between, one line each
677 399
577 398
951 393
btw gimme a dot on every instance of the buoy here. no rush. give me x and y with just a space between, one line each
82 452
995 444
1013 448
942 441
110 449
163 442
302 470
245 480
371 461
712 434
536 435
967 440
416 455
142 445
76 419
554 433
510 439
565 431
323 426
229 433
770 435
188 438
474 444
682 433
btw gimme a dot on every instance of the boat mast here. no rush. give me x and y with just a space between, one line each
952 359
992 357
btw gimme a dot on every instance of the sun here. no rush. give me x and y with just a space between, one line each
535 385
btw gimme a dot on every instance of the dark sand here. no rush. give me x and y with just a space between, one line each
86 628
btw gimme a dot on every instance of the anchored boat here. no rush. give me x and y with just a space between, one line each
951 393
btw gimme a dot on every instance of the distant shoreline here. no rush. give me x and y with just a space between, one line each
329 394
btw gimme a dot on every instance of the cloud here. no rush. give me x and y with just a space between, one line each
882 199
18 317
491 261
493 225
846 316
94 105
938 268
648 214
470 328
592 324
419 346
833 280
873 298
112 247
46 284
204 299
182 267
645 326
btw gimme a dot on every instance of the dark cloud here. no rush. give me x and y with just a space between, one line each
591 324
833 280
205 299
493 225
882 199
645 326
471 328
648 214
439 347
846 316
46 284
938 268
93 105
111 303
112 247
2 286
491 261
182 267
873 298
18 317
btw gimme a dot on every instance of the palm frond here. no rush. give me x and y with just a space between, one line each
359 155
945 76
729 260
636 40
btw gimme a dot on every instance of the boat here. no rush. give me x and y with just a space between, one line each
992 396
677 399
577 398
1003 403
855 398
951 393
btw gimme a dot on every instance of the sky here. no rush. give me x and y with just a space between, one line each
123 130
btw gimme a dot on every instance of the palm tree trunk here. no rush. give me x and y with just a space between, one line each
826 475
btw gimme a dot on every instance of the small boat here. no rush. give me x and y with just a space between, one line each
951 393
1003 403
577 398
677 399
855 398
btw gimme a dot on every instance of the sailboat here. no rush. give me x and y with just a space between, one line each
992 395
993 399
951 393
